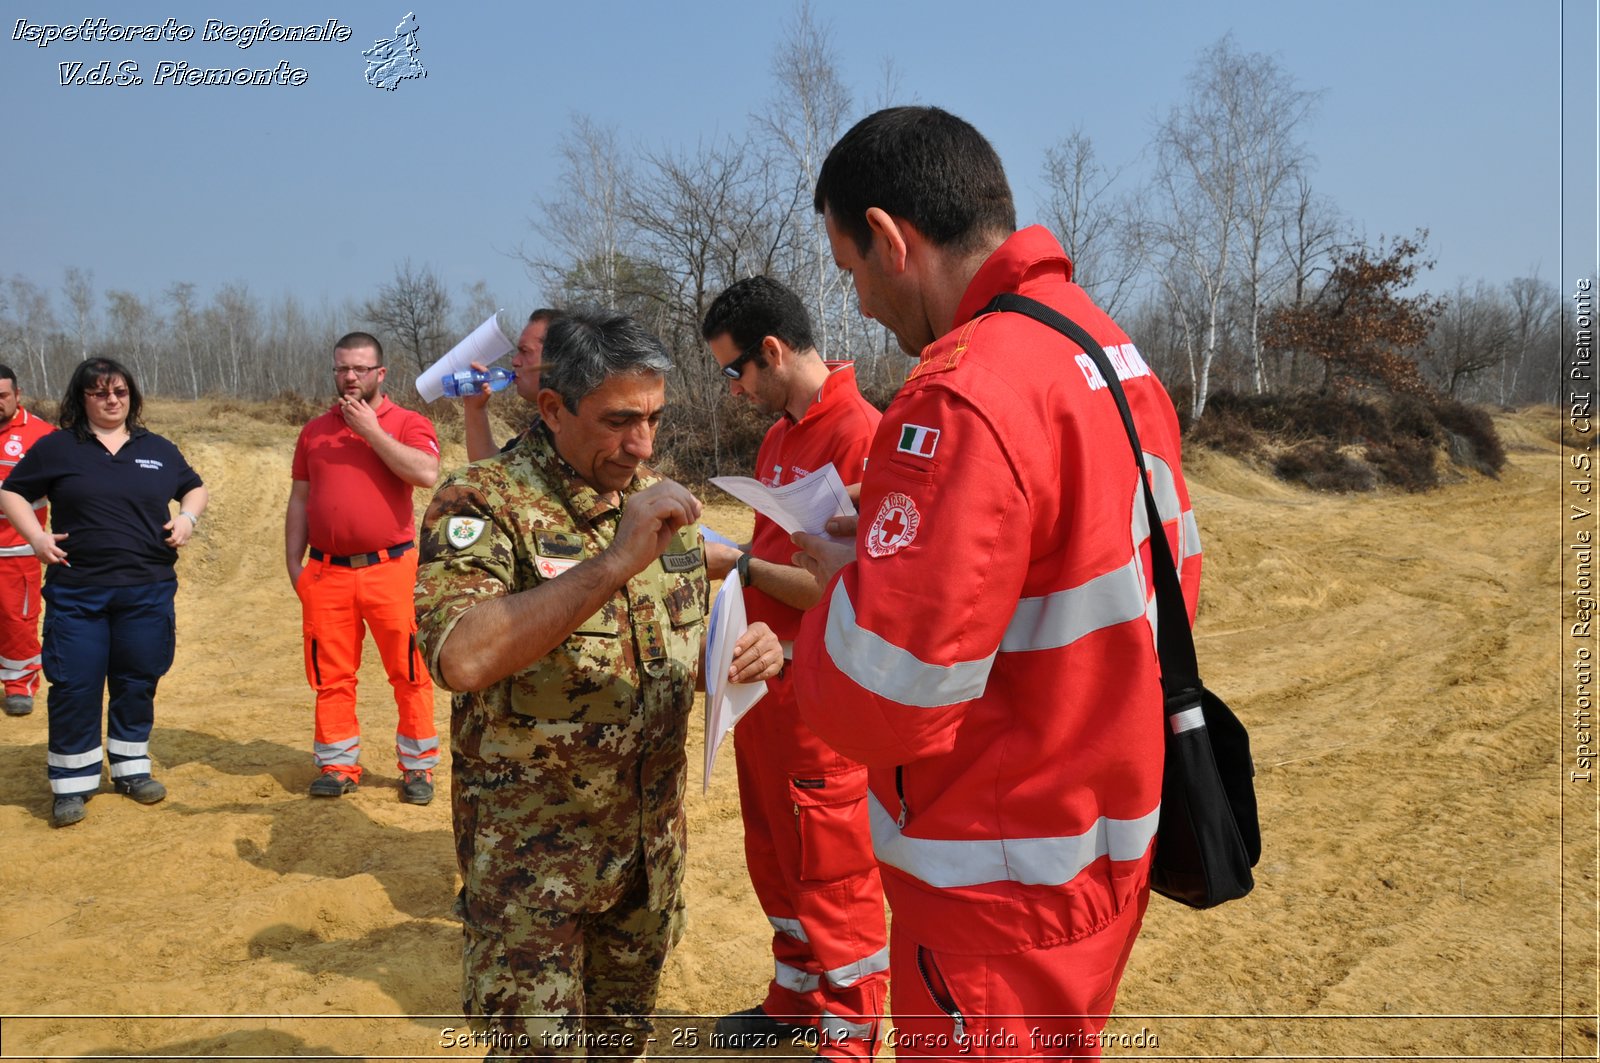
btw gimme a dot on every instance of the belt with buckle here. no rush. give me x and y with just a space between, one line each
361 560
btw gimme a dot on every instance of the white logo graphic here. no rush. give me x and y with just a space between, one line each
464 531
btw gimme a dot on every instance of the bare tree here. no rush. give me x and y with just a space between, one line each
30 322
1535 311
1226 162
585 223
78 287
1472 334
412 312
136 330
803 119
1099 229
233 321
186 331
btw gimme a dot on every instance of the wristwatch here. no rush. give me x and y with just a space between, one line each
743 565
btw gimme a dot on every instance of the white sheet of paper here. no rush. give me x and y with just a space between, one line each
804 505
725 701
485 344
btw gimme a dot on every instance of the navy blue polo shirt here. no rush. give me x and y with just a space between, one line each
112 506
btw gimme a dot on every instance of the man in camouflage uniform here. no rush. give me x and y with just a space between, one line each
563 588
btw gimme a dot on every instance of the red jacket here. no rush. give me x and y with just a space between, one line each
15 439
837 428
989 654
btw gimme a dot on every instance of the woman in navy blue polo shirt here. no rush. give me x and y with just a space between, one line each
110 623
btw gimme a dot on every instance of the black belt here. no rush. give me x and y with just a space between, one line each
361 560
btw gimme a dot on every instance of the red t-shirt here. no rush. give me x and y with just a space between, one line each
357 505
838 428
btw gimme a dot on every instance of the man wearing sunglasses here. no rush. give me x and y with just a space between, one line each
354 471
808 845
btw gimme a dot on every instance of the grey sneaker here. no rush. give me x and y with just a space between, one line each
333 783
18 704
416 787
68 810
142 788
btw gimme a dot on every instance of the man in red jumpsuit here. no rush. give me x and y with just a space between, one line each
19 569
986 646
350 508
807 842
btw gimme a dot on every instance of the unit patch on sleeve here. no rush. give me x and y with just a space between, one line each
894 527
464 531
918 441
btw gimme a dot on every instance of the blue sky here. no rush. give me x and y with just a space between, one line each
1447 116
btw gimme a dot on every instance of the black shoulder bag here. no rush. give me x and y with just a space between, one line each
1209 836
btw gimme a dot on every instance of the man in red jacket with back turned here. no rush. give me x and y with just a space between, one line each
986 647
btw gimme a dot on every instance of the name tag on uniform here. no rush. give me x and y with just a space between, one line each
551 567
686 562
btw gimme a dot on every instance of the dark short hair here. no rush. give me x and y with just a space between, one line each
355 341
90 374
584 348
545 314
6 373
921 164
757 307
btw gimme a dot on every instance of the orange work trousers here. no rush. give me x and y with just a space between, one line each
808 848
19 624
338 606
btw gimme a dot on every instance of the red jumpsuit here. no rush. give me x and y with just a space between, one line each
357 514
19 569
807 841
990 656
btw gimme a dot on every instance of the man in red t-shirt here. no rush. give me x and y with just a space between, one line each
354 470
808 845
19 596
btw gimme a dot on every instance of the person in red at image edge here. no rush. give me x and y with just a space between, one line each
985 646
19 568
807 842
354 470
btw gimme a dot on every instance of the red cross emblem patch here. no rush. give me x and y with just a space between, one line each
894 527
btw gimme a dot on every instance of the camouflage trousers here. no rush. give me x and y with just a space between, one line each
565 985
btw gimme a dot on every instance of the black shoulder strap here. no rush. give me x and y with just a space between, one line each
1180 674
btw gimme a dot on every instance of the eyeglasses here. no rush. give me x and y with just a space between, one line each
358 370
734 370
105 393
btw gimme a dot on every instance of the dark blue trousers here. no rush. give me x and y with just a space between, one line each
100 639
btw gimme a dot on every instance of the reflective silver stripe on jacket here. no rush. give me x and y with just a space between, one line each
791 927
876 664
948 863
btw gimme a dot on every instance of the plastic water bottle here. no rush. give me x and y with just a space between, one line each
468 381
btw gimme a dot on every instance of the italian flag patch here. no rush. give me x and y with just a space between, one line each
917 440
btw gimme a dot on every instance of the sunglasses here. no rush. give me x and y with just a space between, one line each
734 370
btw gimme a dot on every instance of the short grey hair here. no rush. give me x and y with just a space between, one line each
585 347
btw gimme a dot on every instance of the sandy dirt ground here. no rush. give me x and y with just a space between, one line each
1427 888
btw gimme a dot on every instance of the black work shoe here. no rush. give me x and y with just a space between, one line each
68 810
754 1028
333 783
18 704
416 787
141 788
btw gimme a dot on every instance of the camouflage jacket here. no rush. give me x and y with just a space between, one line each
568 772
